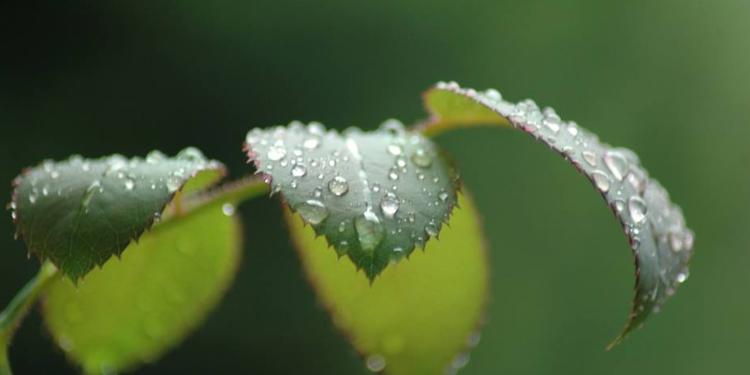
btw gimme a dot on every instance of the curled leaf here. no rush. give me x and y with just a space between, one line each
79 212
421 316
654 226
374 196
134 309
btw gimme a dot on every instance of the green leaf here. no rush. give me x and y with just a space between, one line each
79 212
421 316
375 196
655 227
135 308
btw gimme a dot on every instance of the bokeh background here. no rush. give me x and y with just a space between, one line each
668 79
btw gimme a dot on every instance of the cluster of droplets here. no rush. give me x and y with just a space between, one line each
321 172
655 226
393 345
113 172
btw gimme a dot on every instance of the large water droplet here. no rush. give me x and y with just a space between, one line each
389 204
682 277
153 157
92 189
431 230
590 158
616 163
227 209
129 184
311 143
190 154
299 170
338 186
421 158
312 211
276 153
375 362
394 150
637 209
601 181
369 230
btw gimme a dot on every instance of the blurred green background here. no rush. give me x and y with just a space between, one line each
668 79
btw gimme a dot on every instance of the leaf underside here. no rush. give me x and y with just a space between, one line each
375 196
79 212
135 308
654 226
421 316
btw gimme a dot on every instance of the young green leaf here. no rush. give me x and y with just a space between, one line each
375 196
421 316
79 212
655 227
134 309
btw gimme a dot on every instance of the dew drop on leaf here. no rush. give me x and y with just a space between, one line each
421 158
637 209
616 164
312 211
389 205
276 153
601 181
375 363
338 186
370 231
299 170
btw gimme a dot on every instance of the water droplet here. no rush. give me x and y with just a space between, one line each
637 209
421 158
443 196
312 211
317 192
393 174
311 143
590 158
394 150
552 122
369 230
400 162
92 189
299 170
637 179
375 362
227 209
616 163
393 126
342 226
681 277
129 184
190 154
493 95
389 205
619 205
431 230
32 198
338 186
572 129
460 361
173 183
601 181
676 242
153 157
276 153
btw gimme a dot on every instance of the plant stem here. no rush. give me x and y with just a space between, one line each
12 316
